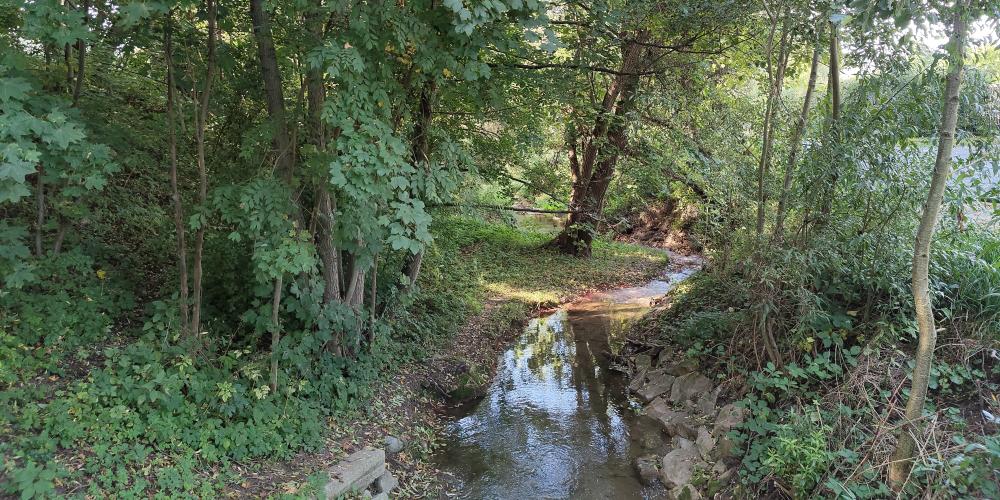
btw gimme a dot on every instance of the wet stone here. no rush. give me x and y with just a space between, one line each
650 440
674 422
646 468
659 383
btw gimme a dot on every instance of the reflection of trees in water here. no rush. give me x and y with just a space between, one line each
557 410
592 329
550 347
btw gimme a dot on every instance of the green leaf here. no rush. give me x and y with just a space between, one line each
63 136
13 88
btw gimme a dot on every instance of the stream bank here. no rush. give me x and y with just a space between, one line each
501 276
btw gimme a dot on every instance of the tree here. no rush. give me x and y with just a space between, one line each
592 158
776 66
614 54
175 194
902 457
796 143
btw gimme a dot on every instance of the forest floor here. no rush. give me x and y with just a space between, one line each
510 276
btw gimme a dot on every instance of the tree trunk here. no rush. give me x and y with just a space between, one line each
275 98
174 191
902 458
70 79
796 144
777 78
275 332
81 57
328 253
592 172
200 121
326 202
421 155
39 209
61 231
833 132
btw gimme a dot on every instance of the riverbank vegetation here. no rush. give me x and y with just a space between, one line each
225 226
807 313
101 403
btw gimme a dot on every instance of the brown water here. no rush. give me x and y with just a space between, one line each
557 421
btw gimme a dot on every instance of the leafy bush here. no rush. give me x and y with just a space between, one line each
70 305
798 454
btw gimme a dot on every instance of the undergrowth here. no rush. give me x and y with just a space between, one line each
101 395
823 422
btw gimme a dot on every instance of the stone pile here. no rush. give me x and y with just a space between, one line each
364 473
684 404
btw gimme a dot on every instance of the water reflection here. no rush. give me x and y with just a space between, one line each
557 423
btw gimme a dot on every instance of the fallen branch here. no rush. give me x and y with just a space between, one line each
501 207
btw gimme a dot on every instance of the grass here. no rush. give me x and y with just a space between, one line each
513 264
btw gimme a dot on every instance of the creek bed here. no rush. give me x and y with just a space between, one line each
557 422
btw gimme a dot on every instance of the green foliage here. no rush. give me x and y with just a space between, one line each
68 309
798 454
972 473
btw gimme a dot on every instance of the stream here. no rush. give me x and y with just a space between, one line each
557 422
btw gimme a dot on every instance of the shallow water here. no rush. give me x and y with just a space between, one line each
557 421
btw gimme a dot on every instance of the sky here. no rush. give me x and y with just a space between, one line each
934 36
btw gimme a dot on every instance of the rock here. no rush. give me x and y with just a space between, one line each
677 368
355 472
650 440
386 483
394 445
643 361
646 467
682 443
678 466
686 492
723 449
729 417
706 403
718 468
689 387
727 476
638 381
381 496
705 443
659 383
675 423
